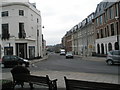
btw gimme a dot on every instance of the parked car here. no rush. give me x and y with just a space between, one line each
12 60
113 57
69 55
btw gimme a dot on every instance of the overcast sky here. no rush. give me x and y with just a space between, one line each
59 16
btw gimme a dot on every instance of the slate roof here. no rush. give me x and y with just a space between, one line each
102 6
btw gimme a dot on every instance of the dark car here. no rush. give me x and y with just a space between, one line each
12 60
113 57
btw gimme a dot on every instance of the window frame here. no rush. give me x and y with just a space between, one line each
4 14
21 12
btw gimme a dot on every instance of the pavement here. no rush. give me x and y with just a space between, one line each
107 78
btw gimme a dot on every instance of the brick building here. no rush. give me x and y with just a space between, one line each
107 29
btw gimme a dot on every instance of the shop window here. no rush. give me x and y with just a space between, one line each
102 48
31 52
8 50
116 46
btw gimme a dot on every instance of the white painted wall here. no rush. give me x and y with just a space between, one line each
106 41
30 25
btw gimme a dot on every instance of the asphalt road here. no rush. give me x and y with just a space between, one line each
56 62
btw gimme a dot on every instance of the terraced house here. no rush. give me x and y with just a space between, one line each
107 27
99 32
21 32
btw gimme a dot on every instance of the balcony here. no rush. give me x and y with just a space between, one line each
21 35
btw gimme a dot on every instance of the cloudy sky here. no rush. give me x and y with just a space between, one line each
59 16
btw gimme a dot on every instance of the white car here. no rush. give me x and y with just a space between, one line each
62 53
69 55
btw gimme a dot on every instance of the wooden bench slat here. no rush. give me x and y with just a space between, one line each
72 84
31 78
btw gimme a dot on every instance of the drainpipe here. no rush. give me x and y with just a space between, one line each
118 34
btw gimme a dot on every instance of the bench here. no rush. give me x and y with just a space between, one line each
32 79
72 84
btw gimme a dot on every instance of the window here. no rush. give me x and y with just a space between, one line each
117 27
8 50
101 31
111 11
104 16
97 34
107 14
116 10
108 31
37 32
5 31
101 20
105 32
21 12
102 48
109 46
6 57
31 17
97 22
37 20
22 33
116 45
98 48
5 13
31 52
112 29
116 52
14 58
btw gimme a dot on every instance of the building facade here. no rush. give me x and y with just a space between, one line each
99 32
75 39
80 39
107 27
21 32
67 41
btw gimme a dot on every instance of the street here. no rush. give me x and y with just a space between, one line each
56 62
57 66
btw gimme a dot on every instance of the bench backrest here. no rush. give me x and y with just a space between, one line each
72 84
32 78
40 80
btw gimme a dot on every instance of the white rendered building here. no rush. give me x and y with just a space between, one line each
21 32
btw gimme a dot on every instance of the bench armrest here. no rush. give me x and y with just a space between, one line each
53 84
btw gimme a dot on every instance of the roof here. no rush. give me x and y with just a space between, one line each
27 4
102 6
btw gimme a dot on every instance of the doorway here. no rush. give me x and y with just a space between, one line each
21 50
